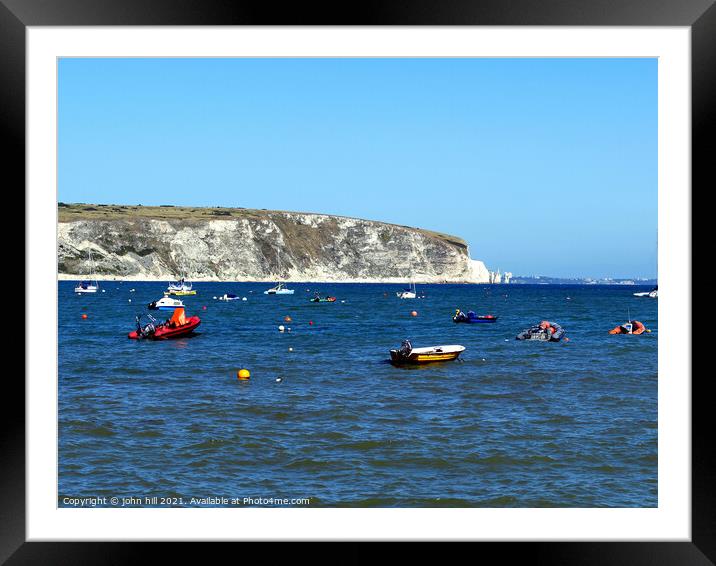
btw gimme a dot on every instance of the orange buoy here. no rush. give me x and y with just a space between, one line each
414 313
243 374
287 318
84 316
310 322
204 307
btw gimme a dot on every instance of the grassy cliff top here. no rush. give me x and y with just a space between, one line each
80 211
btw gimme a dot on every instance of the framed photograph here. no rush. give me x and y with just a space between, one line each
258 248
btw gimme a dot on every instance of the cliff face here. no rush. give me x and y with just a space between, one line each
251 245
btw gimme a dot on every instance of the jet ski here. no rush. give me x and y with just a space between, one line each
177 326
545 331
472 318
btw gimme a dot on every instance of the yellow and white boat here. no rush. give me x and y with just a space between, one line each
180 288
406 354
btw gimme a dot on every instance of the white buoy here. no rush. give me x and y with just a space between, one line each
130 300
281 328
243 299
214 298
279 380
290 349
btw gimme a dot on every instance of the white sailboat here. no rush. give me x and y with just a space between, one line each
89 285
180 287
279 289
408 293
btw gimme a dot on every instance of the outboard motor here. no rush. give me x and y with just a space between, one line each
405 348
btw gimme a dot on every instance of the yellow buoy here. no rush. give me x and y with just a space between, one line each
243 374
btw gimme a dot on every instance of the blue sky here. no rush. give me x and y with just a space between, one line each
545 166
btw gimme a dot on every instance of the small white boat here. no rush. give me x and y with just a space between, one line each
90 285
229 297
165 304
409 293
406 354
279 289
653 294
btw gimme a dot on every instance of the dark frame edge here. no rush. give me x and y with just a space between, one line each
703 121
12 419
702 548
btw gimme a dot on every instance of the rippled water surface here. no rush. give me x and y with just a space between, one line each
510 424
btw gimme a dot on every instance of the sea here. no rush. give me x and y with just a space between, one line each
325 420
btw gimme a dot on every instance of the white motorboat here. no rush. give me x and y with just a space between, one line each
165 304
279 289
653 294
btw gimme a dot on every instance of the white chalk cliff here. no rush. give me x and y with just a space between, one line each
150 243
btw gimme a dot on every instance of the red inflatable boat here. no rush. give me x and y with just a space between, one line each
176 327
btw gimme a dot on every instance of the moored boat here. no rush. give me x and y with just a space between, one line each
630 327
177 326
408 293
471 318
279 289
545 331
180 288
653 294
165 304
89 285
406 354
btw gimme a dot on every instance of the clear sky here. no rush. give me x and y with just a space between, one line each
544 166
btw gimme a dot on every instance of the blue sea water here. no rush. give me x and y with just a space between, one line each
509 424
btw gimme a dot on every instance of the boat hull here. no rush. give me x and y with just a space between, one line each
180 293
80 291
479 320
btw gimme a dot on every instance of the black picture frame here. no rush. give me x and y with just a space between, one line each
17 15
